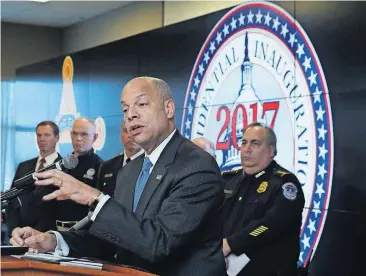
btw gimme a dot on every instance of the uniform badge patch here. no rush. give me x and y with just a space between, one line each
89 174
262 187
289 191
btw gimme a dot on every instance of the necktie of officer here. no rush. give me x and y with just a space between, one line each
141 181
41 164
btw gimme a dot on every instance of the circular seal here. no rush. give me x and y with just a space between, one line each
289 191
258 64
90 172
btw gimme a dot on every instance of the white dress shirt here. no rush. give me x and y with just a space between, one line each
50 159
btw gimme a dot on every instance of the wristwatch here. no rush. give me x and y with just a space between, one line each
95 202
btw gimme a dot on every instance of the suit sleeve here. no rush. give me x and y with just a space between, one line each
192 195
278 218
13 218
82 244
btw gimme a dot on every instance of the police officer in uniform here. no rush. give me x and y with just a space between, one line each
108 173
83 135
264 204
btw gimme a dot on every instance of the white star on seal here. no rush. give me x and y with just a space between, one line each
218 38
306 241
212 46
250 17
233 23
319 190
300 49
193 95
300 256
201 69
276 23
241 19
206 57
317 94
188 124
312 78
196 81
322 151
322 171
316 208
320 114
292 39
190 109
267 19
259 17
311 226
306 63
322 132
226 30
284 30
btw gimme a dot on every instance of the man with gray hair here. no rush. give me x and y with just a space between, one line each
83 135
206 145
264 204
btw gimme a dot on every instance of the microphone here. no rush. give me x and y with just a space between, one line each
80 224
69 162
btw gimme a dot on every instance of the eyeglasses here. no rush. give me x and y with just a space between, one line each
81 134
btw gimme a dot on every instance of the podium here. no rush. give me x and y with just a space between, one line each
14 266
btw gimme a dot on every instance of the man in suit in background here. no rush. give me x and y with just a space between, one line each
166 215
29 208
205 144
83 135
109 169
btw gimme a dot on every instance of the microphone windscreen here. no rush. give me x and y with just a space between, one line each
70 162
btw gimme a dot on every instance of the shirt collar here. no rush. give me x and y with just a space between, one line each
50 159
154 156
267 170
132 157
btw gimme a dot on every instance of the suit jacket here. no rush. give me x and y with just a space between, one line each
29 209
177 226
108 172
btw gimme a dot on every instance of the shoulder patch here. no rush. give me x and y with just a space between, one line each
289 191
281 173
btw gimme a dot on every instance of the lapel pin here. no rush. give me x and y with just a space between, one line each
158 177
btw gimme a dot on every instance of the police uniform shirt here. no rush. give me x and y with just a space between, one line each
109 172
263 217
86 172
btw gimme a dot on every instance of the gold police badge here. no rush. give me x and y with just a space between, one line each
262 187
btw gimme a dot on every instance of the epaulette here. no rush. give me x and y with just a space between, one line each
230 172
281 173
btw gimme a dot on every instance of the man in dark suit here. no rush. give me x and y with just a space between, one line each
108 172
29 208
171 226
